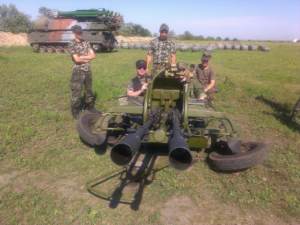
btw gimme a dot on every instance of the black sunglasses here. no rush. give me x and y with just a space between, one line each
141 67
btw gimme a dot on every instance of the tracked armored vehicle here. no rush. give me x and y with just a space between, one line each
53 33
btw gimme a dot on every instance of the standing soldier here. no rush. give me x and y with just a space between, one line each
162 51
82 54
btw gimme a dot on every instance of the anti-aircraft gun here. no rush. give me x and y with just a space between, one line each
170 117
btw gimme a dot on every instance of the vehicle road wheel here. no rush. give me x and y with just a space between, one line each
43 49
85 128
96 47
36 47
50 50
252 153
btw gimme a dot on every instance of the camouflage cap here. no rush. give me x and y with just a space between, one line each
76 29
164 27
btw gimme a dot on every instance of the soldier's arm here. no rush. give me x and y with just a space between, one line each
149 56
77 59
210 86
90 56
148 59
173 59
75 56
132 93
212 81
173 54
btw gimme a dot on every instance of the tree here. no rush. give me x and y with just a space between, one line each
200 37
187 35
12 20
44 11
132 29
218 38
209 38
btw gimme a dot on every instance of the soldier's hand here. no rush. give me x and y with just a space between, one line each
173 67
145 86
183 78
203 96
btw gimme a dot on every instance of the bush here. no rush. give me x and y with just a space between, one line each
132 29
12 20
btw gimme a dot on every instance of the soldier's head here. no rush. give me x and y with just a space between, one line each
205 59
77 31
141 67
163 31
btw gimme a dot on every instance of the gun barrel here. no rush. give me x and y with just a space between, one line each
123 152
180 156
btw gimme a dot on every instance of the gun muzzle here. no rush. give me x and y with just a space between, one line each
123 152
180 156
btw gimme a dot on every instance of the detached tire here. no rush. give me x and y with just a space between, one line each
252 153
85 127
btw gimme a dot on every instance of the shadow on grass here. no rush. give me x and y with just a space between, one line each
281 112
139 174
99 150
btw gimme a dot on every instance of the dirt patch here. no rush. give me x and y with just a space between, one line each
10 39
182 210
65 188
7 178
179 211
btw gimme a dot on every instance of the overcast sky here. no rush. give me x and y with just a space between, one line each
254 19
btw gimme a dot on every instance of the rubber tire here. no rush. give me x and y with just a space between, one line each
240 161
84 124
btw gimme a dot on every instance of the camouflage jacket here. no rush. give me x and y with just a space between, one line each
80 48
161 50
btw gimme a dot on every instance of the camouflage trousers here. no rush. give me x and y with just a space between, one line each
81 82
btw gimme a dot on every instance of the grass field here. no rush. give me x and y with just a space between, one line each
45 166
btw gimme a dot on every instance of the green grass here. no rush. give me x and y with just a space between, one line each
38 141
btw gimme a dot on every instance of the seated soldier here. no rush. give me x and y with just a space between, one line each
204 80
138 84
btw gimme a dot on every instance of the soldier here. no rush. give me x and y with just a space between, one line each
82 54
138 84
161 51
204 81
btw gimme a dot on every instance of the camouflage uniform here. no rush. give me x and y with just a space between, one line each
81 77
161 51
201 80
